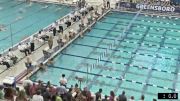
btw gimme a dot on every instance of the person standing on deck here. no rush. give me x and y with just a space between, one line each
32 43
108 4
50 42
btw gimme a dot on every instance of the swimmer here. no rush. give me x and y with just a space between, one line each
58 8
45 6
22 10
3 28
18 18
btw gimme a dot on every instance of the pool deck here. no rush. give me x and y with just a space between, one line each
19 69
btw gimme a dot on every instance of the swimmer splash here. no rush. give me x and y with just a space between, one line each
156 7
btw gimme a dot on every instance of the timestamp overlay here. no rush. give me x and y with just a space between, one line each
168 96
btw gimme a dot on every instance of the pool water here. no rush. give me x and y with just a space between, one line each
146 57
25 19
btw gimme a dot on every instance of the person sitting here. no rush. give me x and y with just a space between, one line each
12 56
24 48
61 23
72 17
60 43
67 21
94 15
77 15
42 35
4 62
72 34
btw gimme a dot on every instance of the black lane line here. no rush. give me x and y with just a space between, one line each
143 25
176 77
158 22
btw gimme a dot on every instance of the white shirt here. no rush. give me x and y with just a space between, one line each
63 81
10 53
1 59
21 47
117 1
57 27
37 98
26 82
71 15
32 39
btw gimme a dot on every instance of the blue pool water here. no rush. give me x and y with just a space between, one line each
25 19
148 53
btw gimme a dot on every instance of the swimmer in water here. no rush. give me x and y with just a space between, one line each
22 10
45 6
18 18
2 28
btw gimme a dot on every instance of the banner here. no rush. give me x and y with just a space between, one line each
150 7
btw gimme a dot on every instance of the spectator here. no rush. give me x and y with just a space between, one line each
21 96
86 94
77 89
132 98
142 98
69 95
32 89
105 98
46 95
9 94
112 96
37 97
56 98
61 90
1 92
98 95
122 97
154 100
63 80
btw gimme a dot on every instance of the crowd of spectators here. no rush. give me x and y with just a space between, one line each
47 92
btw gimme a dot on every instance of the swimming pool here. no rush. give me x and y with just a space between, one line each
147 57
25 19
